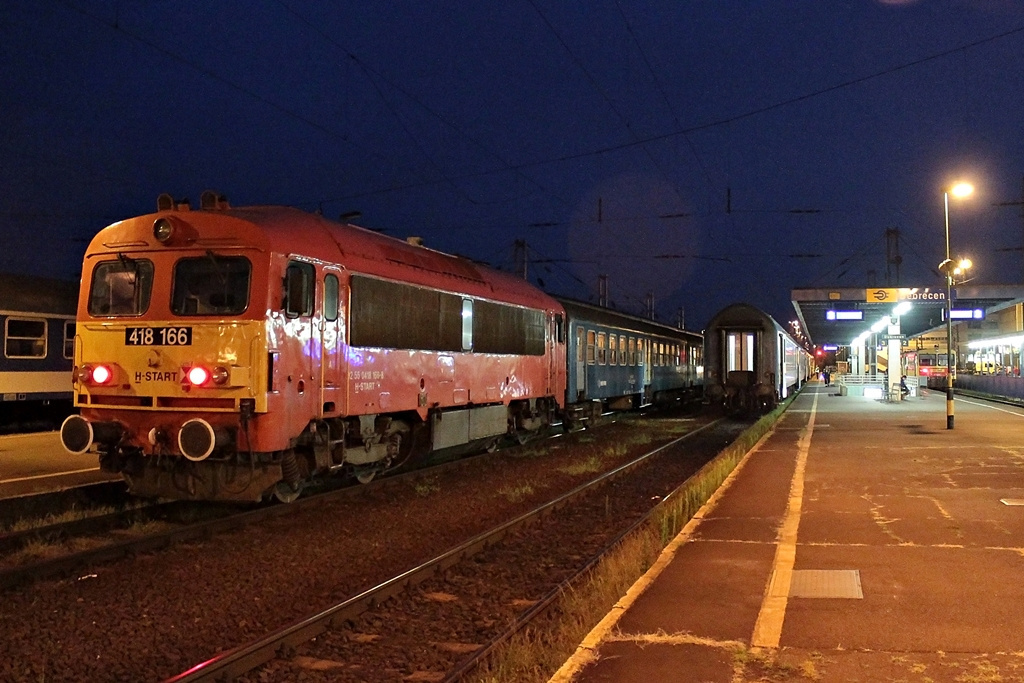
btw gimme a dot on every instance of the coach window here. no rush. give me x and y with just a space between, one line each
467 324
580 345
121 287
69 339
602 348
298 289
613 346
331 297
632 350
591 346
739 351
211 285
25 338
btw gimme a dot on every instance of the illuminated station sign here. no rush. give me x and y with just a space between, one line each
965 314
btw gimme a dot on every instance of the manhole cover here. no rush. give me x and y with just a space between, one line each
825 583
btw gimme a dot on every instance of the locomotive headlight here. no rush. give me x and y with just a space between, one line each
198 376
102 374
163 230
94 374
219 375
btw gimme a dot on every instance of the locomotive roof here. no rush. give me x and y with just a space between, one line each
32 294
613 318
291 231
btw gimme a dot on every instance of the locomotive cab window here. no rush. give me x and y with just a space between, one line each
298 289
211 285
25 338
121 287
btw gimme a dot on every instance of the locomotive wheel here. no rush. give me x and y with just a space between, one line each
285 493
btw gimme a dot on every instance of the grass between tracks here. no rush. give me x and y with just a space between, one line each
537 652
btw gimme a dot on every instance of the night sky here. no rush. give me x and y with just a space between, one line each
699 152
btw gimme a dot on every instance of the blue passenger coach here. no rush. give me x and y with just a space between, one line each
618 361
752 361
37 333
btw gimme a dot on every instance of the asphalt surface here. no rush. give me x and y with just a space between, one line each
859 541
37 463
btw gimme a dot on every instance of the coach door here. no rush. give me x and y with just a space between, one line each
581 363
647 358
332 343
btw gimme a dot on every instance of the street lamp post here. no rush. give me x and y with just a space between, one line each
947 266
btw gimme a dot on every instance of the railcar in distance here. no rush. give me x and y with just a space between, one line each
751 361
618 361
37 324
239 353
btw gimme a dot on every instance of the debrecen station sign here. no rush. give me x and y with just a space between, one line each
881 295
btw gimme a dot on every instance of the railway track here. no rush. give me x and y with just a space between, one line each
461 604
67 546
208 596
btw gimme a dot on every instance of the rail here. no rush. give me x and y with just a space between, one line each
245 658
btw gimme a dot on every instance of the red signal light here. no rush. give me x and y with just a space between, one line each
198 376
101 374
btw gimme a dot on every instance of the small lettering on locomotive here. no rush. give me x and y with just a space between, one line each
154 376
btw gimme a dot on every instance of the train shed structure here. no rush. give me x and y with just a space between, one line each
873 328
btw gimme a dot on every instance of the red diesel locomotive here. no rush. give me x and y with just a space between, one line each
236 353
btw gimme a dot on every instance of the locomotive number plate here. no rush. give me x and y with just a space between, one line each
158 336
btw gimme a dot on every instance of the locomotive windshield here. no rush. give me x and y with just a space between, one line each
121 287
211 285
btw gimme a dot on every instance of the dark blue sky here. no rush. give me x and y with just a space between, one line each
703 152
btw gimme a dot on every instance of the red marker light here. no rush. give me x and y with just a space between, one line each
101 374
198 376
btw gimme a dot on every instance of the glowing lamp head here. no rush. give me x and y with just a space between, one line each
95 374
962 190
198 376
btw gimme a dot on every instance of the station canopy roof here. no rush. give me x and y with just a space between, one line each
839 315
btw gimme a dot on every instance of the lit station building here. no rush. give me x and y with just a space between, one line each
873 329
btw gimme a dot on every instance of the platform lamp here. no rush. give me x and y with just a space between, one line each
950 269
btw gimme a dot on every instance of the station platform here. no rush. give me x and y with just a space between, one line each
858 541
